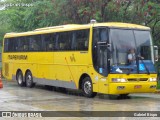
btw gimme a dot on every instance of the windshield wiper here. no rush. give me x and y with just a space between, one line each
144 65
129 71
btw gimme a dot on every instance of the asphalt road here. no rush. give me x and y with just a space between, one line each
15 98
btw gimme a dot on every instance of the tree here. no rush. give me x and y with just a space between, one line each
45 13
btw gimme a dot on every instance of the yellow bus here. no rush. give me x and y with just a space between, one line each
92 58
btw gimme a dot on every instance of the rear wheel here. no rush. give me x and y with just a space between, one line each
87 88
29 80
20 79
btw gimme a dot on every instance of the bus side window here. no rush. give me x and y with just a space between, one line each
25 44
80 40
6 41
21 44
25 47
61 42
12 45
64 41
35 43
73 43
18 44
48 42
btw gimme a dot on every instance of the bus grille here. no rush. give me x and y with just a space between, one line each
6 69
137 79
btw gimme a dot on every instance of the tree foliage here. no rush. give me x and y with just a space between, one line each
56 12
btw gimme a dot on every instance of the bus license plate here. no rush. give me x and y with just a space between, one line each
137 86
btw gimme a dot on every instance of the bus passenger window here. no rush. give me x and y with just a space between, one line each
50 46
48 41
64 41
35 43
6 44
62 46
86 44
81 40
25 47
34 46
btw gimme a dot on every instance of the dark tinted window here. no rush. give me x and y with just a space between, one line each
143 41
20 44
11 45
6 41
99 51
48 41
35 43
122 41
62 41
80 40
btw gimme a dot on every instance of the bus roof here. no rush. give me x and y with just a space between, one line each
61 28
122 25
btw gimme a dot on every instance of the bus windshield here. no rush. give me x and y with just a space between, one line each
125 40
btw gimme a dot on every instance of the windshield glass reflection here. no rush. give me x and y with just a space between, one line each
131 51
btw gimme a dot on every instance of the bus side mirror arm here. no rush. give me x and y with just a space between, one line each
104 43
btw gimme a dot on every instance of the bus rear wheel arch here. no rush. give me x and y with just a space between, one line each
87 87
19 78
29 79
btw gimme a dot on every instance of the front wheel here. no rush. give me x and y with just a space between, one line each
29 80
87 88
20 79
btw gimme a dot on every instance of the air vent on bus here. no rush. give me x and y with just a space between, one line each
137 79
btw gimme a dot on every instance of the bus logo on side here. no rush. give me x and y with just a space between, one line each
17 57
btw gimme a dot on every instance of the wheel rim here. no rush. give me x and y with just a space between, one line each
29 79
87 87
20 79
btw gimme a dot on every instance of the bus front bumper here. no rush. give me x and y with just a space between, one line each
135 87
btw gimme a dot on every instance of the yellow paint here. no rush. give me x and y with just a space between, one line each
69 66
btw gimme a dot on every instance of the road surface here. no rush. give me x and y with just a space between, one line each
15 98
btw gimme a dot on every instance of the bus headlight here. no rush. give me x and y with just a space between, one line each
152 79
119 80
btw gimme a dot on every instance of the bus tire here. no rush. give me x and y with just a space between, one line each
19 78
29 80
87 88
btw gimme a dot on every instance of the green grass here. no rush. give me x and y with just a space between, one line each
158 85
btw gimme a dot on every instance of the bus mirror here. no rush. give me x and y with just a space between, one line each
155 53
108 45
101 43
104 44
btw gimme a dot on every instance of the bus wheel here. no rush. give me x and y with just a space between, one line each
29 80
20 79
87 88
